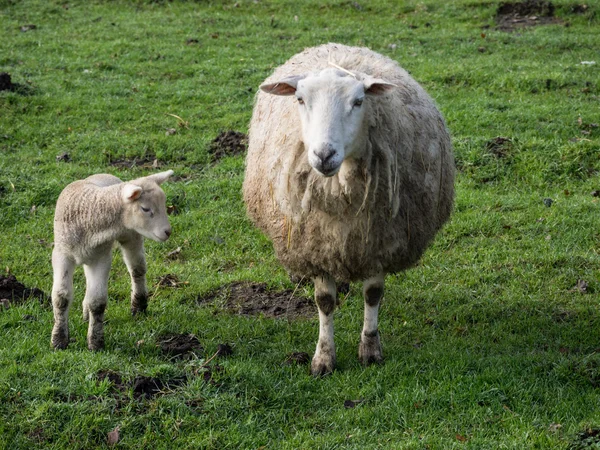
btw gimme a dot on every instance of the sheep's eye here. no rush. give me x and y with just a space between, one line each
145 209
300 100
358 102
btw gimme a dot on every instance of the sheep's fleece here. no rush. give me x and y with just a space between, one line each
391 200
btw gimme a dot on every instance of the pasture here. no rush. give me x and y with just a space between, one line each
492 341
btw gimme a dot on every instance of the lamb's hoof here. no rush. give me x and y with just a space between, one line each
322 365
138 311
96 344
369 350
60 340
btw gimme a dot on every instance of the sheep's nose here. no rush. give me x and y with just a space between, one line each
168 232
325 153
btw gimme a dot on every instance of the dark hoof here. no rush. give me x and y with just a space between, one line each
322 366
369 350
96 344
60 341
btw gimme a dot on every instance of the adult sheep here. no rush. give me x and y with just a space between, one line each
350 172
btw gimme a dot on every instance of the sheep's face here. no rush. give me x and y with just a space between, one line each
144 207
332 114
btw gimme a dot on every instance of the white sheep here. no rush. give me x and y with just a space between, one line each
91 215
350 173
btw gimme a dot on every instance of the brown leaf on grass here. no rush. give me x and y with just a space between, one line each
113 436
461 438
348 404
170 280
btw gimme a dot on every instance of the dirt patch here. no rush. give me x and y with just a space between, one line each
500 146
16 292
113 377
250 299
179 345
528 13
209 373
588 438
149 386
142 386
5 82
300 358
228 143
224 350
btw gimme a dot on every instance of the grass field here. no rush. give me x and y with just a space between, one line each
489 343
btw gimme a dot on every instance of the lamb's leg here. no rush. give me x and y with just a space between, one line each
369 350
135 259
62 297
96 296
325 296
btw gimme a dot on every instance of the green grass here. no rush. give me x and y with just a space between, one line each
487 345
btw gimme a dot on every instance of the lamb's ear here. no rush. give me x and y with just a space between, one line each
160 178
377 86
131 192
286 86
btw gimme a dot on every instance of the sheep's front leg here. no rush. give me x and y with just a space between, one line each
135 260
369 350
96 296
62 297
325 296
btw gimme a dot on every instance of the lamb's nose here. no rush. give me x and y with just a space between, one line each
168 232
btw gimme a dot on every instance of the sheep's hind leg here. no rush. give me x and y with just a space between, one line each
369 349
135 260
323 361
62 297
96 296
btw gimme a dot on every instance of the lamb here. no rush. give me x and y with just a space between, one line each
90 216
350 173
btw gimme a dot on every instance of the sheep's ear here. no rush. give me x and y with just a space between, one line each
160 178
131 192
377 86
286 86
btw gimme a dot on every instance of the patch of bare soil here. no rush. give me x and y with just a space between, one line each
15 292
149 386
527 13
142 386
250 299
228 143
499 146
588 438
179 345
5 82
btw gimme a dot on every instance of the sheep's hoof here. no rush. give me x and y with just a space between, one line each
322 365
369 350
135 311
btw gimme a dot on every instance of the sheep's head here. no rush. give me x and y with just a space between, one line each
144 206
330 104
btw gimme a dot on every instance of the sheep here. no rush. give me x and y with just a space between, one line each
91 215
350 173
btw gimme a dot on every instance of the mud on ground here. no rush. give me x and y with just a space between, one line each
15 292
251 299
228 143
528 13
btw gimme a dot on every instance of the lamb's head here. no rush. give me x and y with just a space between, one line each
332 114
144 206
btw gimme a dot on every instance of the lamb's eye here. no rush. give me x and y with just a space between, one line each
300 100
145 209
358 102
